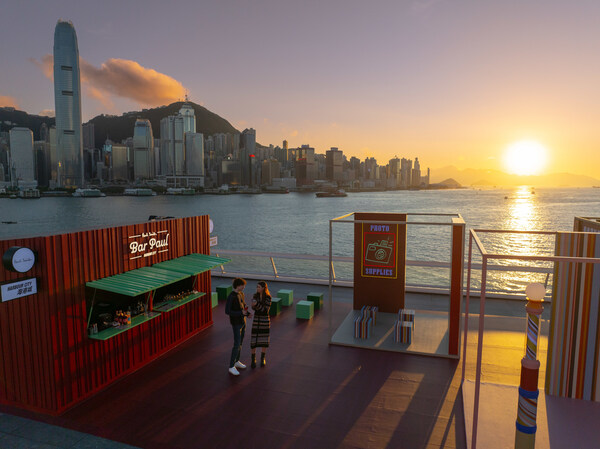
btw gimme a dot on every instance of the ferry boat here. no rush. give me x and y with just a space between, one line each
250 191
88 193
180 191
139 192
29 194
271 189
333 194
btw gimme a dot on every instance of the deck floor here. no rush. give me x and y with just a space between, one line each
310 395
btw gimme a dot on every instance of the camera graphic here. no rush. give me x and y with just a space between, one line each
379 252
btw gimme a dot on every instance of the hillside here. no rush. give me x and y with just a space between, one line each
449 183
120 127
10 118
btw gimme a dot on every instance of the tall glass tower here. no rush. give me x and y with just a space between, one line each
67 101
143 149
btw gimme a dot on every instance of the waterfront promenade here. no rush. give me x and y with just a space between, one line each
310 394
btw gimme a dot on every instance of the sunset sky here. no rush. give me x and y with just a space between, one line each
451 82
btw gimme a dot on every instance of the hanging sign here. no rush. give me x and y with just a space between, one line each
147 244
214 240
18 289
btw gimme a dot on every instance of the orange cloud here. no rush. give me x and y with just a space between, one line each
129 79
6 100
47 112
122 78
46 65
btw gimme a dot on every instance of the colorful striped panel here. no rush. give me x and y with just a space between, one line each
407 315
403 332
370 311
573 366
397 331
362 327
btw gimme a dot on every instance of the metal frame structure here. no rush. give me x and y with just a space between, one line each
485 255
456 221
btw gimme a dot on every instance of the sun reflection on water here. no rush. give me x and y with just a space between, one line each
523 214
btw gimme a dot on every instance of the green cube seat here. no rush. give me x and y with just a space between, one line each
305 310
275 307
287 297
214 298
316 298
223 291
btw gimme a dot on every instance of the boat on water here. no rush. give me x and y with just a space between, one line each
29 194
88 193
271 189
250 191
139 192
332 194
180 191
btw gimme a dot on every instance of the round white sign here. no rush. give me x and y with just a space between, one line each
19 259
211 226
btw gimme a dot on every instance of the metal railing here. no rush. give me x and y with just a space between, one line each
276 274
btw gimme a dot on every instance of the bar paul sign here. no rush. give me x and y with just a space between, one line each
147 244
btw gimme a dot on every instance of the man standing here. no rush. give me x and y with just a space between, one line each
238 311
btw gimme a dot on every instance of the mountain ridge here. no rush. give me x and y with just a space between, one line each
120 127
488 177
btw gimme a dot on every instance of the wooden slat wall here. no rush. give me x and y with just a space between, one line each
47 362
456 285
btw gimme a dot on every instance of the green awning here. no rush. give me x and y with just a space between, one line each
137 282
192 264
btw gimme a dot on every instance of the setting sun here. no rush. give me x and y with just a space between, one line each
526 157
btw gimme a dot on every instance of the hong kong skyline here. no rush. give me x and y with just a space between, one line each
454 83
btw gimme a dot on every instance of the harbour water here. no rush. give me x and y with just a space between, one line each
298 223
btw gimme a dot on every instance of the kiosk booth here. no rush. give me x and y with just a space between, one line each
81 310
381 318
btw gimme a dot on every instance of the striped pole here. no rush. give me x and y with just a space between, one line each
530 368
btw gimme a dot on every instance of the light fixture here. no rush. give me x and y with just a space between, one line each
535 291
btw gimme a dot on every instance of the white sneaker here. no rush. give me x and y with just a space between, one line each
234 371
240 365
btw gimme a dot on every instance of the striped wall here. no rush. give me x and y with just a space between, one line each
47 362
573 366
586 224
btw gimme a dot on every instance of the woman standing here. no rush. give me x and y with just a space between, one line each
261 303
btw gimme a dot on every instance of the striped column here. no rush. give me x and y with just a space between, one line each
530 368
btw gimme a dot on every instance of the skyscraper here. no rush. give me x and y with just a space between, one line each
248 148
67 104
172 138
334 165
22 163
194 154
143 149
415 176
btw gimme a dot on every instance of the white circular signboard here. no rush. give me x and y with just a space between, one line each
211 226
19 259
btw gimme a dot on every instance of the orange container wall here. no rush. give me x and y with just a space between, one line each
47 362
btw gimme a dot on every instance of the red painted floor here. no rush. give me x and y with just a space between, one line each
310 395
